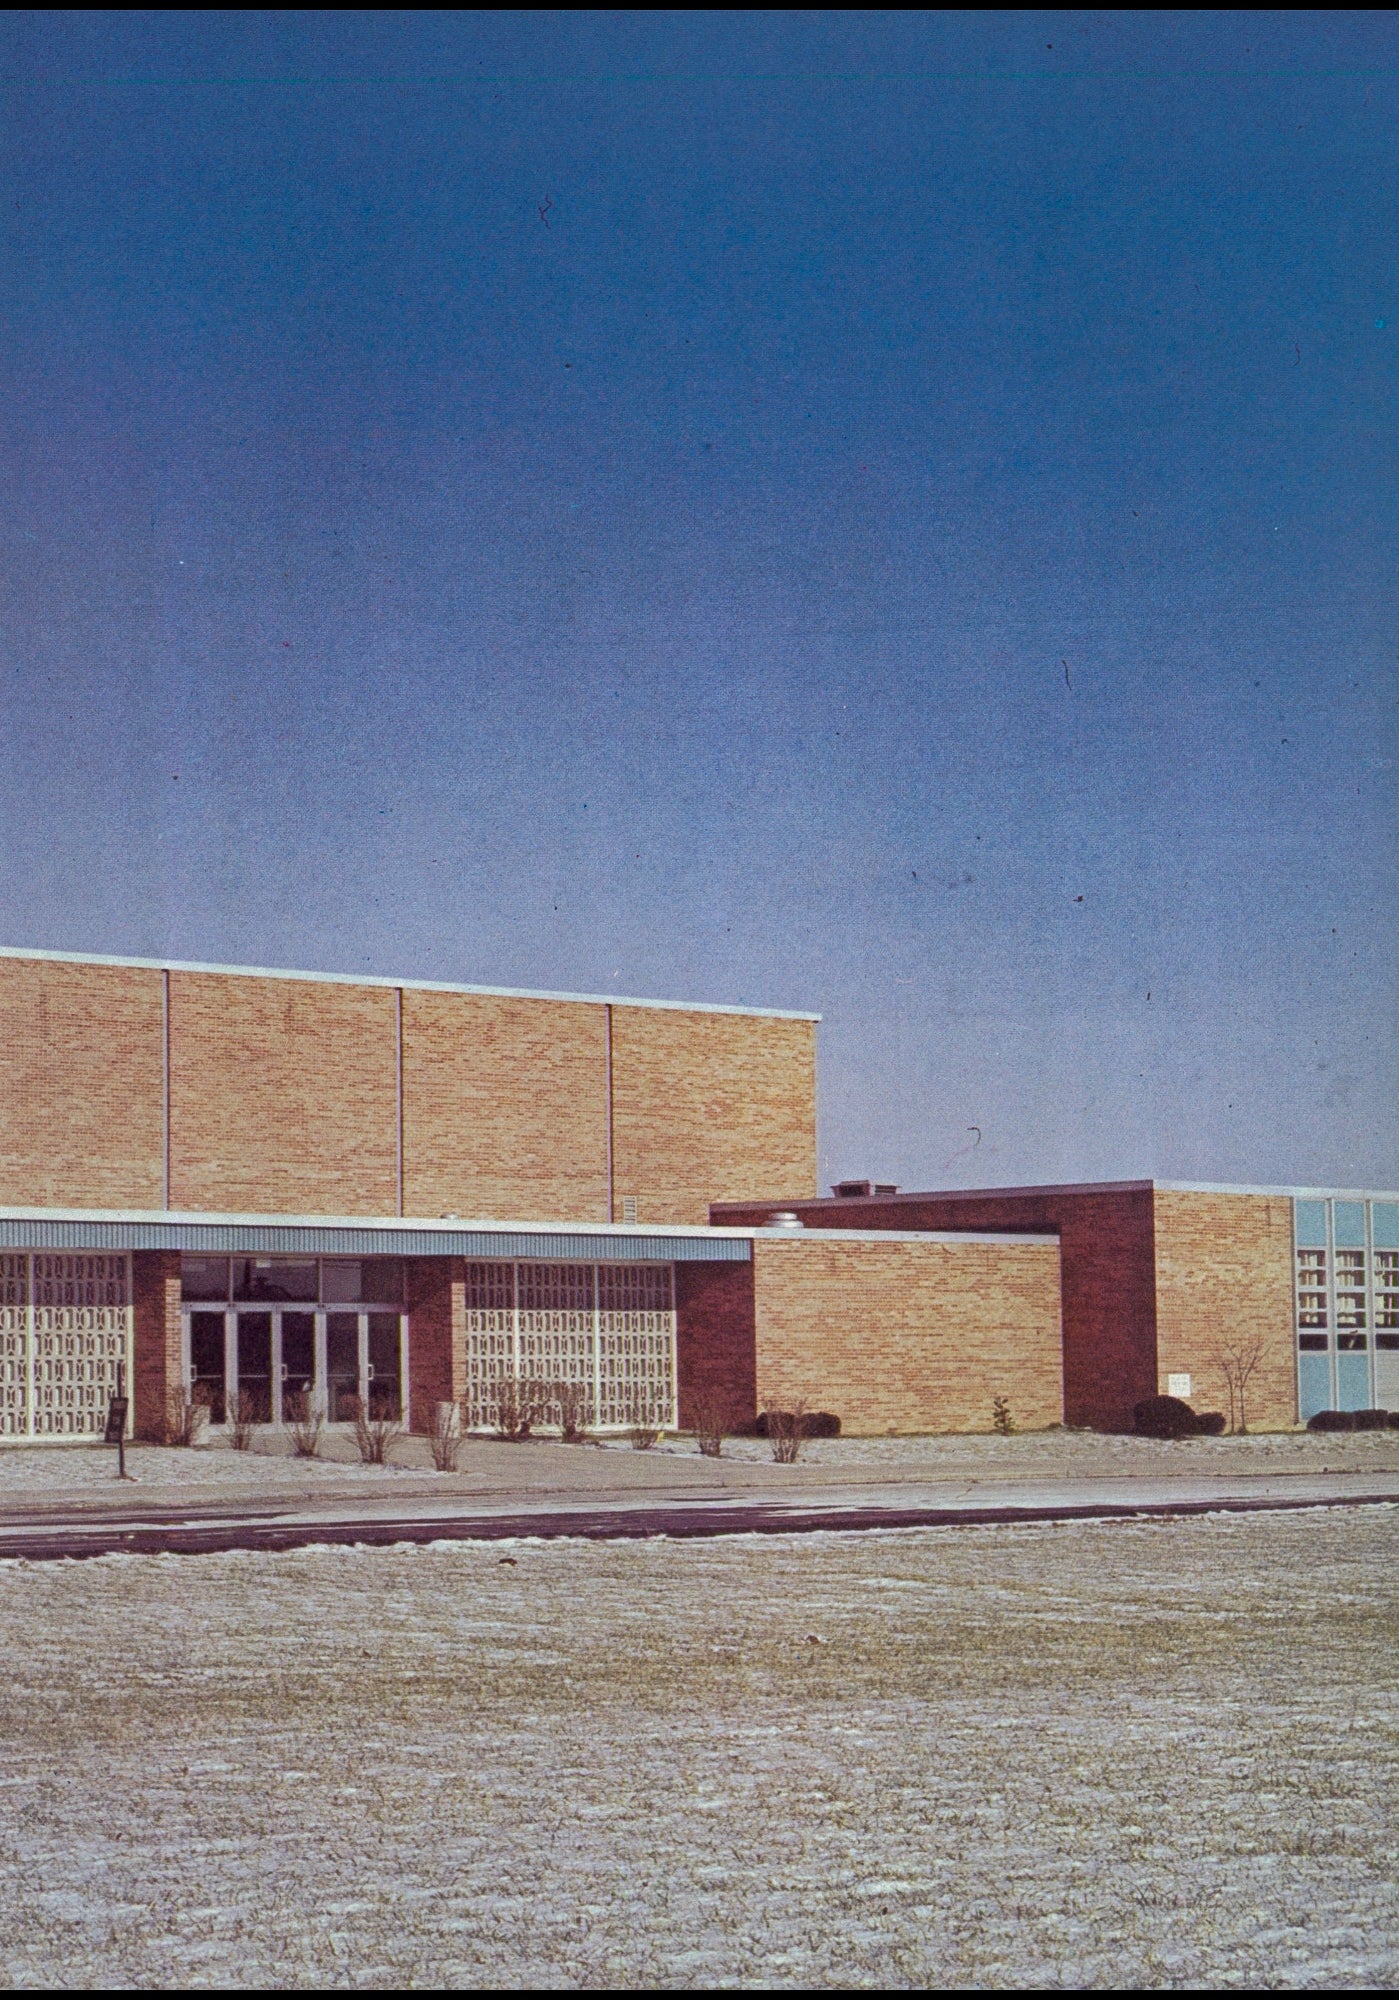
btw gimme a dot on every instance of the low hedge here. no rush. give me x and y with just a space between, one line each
1354 1420
814 1423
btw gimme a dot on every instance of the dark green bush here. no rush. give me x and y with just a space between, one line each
1163 1417
813 1423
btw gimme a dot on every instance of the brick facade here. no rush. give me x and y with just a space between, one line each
283 1096
81 1088
436 1336
1224 1280
1108 1261
715 1343
909 1336
708 1106
504 1107
156 1340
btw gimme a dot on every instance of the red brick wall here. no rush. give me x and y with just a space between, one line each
504 1107
283 1096
1108 1266
708 1106
436 1336
1224 1281
909 1336
81 1092
716 1353
156 1346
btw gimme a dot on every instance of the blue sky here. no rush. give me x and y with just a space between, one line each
892 514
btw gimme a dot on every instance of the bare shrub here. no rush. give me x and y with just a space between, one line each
518 1406
569 1406
785 1432
444 1440
243 1414
643 1432
302 1415
186 1419
1002 1422
377 1429
707 1422
1238 1362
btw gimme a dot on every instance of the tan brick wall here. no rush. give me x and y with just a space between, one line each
504 1107
1224 1274
284 1099
283 1096
709 1107
910 1336
80 1085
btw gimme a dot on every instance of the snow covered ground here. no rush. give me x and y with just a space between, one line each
1131 1754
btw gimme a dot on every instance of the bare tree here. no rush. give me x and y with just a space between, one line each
1239 1361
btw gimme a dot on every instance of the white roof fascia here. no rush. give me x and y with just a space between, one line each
403 985
492 1225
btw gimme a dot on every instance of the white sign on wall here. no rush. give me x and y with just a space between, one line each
1178 1385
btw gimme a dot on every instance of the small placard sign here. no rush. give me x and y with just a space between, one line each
116 1420
1178 1385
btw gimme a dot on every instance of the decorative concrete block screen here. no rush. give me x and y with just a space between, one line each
599 1335
65 1323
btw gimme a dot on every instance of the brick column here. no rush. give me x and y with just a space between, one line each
436 1336
715 1340
157 1362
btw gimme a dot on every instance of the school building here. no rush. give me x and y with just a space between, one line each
319 1190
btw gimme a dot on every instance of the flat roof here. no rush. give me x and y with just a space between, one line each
1073 1187
431 1236
410 985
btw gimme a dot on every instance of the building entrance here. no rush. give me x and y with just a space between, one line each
282 1365
289 1337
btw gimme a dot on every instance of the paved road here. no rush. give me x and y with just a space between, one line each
147 1526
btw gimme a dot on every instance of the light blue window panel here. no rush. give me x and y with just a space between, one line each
1310 1221
1384 1220
1350 1225
1313 1384
1352 1381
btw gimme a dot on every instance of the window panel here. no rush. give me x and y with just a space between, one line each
274 1278
204 1277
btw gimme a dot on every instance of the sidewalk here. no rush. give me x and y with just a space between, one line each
68 1503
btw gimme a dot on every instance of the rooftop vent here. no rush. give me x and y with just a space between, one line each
854 1190
785 1218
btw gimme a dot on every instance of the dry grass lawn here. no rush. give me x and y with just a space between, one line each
1130 1754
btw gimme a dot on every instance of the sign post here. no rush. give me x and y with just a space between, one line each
116 1420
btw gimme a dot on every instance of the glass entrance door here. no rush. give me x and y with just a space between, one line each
255 1366
207 1362
297 1368
383 1343
342 1367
